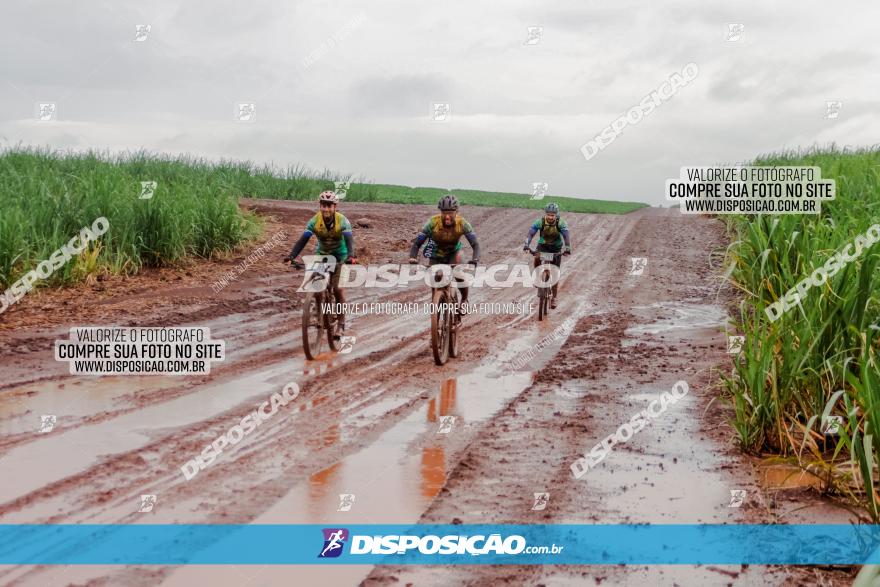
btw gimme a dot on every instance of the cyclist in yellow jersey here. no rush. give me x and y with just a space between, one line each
553 237
445 231
335 238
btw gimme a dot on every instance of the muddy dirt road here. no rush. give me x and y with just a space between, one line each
366 423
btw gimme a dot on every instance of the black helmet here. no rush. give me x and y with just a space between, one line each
551 208
449 202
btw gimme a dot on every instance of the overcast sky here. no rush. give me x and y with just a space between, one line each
520 112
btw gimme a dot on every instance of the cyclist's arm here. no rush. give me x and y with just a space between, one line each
349 243
532 232
348 235
417 244
472 239
563 229
301 244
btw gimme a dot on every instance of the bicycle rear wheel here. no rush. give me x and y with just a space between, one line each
312 326
440 327
543 297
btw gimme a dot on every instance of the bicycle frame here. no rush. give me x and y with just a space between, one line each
545 293
315 320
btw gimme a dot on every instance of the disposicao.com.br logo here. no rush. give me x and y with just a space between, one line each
334 540
388 275
450 544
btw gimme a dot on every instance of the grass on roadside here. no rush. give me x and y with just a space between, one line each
406 195
819 360
46 197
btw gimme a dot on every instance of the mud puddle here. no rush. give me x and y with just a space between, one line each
662 474
775 476
399 474
66 453
403 470
677 316
391 481
20 410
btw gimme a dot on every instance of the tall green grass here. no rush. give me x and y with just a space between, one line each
819 359
47 197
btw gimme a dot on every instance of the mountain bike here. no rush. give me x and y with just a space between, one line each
546 293
319 309
445 320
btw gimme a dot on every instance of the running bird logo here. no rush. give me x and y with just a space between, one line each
148 188
737 497
342 188
735 344
47 423
46 112
832 109
831 425
735 31
535 34
346 344
142 32
246 112
147 503
539 190
446 424
334 540
440 112
318 270
541 501
346 501
638 265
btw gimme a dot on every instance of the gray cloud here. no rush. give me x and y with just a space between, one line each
520 112
400 95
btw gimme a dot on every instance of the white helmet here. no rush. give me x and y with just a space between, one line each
328 196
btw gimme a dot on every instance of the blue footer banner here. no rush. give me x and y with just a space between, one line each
208 544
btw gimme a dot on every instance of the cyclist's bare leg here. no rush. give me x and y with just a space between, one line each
457 259
431 290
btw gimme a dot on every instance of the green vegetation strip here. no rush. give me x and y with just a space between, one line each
46 197
399 194
819 360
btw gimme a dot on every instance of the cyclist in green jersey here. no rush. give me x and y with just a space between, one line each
335 238
553 237
445 231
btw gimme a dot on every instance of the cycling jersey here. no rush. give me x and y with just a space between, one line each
446 240
332 240
553 235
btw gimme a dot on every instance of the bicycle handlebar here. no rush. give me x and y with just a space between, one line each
300 265
535 252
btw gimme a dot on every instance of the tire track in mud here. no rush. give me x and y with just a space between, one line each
367 416
392 366
651 331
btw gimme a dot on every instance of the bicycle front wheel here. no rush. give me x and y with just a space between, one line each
330 321
440 326
454 330
312 326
